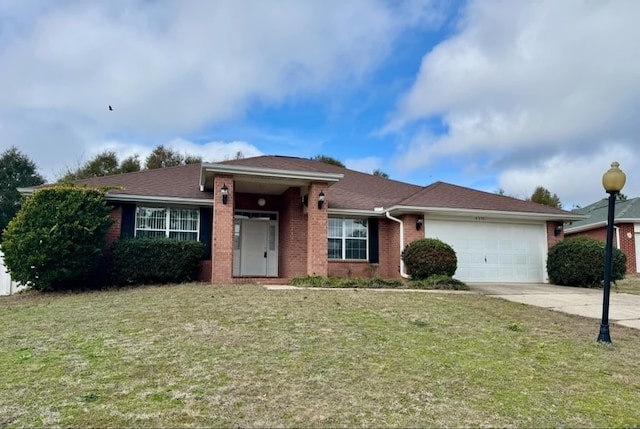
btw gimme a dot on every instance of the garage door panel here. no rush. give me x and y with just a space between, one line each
494 252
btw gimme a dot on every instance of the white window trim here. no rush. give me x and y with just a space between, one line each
344 239
167 230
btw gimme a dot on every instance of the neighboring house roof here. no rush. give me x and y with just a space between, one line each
350 190
597 213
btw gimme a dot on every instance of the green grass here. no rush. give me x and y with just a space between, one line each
440 282
630 284
196 355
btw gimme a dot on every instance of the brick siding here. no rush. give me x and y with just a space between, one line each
223 228
552 238
114 231
317 261
292 239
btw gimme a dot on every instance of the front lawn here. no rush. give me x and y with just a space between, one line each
196 355
629 284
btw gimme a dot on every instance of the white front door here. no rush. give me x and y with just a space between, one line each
257 250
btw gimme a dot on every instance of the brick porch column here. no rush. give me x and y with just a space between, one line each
317 259
223 224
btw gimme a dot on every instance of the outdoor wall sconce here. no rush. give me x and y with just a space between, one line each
419 223
321 199
557 230
224 191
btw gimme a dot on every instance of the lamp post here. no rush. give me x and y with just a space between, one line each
612 181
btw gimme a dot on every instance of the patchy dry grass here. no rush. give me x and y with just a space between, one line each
195 355
630 284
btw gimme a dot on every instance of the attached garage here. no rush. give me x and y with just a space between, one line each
494 251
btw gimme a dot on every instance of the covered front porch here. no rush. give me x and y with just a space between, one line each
268 225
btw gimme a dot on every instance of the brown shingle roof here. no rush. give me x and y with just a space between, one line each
355 191
442 194
176 182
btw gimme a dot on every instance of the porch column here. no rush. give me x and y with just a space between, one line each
223 224
317 259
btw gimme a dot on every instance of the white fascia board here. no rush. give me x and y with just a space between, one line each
27 191
142 198
358 213
485 213
159 199
581 228
601 224
269 172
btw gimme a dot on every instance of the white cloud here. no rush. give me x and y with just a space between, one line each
523 83
174 68
365 165
576 179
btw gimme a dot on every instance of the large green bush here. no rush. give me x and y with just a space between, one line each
57 237
429 256
579 261
156 260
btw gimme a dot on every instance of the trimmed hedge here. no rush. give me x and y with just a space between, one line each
428 257
433 282
579 261
156 261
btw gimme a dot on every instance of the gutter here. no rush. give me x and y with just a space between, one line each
499 214
403 272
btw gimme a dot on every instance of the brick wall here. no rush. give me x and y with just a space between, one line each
205 270
317 261
389 231
389 248
114 232
355 269
552 239
292 236
598 234
223 223
410 232
628 245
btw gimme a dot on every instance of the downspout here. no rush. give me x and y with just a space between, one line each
403 273
617 230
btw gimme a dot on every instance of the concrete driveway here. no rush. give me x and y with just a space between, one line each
624 309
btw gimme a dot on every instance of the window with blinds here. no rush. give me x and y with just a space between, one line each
175 223
348 238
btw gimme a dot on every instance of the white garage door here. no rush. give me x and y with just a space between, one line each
494 252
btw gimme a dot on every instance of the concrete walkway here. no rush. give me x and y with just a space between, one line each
624 309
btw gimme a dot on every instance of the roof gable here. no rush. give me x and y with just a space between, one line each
446 195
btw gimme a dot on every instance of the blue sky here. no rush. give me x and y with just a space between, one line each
490 94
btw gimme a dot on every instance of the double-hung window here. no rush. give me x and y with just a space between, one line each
348 238
175 223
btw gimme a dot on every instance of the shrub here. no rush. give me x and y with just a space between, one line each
579 261
428 257
338 282
156 260
438 282
57 237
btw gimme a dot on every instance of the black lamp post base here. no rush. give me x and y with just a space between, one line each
604 337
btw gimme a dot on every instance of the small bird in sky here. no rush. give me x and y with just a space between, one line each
110 108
